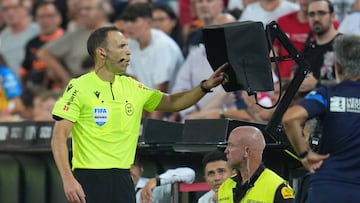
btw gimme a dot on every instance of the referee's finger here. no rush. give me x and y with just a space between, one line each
82 199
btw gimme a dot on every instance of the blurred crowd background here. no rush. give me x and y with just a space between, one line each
43 45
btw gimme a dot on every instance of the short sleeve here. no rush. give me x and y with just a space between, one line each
315 102
153 100
68 106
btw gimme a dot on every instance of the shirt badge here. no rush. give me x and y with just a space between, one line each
100 115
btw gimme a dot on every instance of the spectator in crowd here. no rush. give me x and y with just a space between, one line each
296 27
102 110
319 52
342 8
351 22
216 171
239 5
11 105
335 164
73 16
119 22
266 11
63 57
155 57
33 71
187 15
207 12
43 105
253 182
165 19
356 6
18 31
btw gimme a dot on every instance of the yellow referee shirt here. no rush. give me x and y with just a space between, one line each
106 119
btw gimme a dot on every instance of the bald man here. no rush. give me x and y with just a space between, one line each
254 182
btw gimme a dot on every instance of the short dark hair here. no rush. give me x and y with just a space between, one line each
330 5
98 38
166 8
46 3
136 10
212 157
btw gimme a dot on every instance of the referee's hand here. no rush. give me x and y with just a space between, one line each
73 191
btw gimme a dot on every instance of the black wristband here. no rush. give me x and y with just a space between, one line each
203 88
304 154
157 178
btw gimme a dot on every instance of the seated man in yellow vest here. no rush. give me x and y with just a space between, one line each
256 183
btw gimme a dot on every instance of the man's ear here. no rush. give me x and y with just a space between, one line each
246 151
101 52
333 17
339 71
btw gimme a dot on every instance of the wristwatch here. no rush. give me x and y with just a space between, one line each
203 88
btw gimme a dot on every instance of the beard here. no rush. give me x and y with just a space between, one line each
319 29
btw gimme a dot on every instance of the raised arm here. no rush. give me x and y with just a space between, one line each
183 100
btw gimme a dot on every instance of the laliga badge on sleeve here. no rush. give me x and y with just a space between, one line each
100 115
287 193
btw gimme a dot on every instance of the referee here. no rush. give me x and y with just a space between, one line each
102 111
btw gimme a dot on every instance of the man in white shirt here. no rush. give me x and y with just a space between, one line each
266 11
18 31
155 56
351 22
158 189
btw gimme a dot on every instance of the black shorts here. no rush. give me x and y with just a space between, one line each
106 185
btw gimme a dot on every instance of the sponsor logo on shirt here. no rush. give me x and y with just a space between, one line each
100 115
344 104
70 86
97 94
72 97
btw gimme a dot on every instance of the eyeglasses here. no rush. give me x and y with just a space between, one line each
312 14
